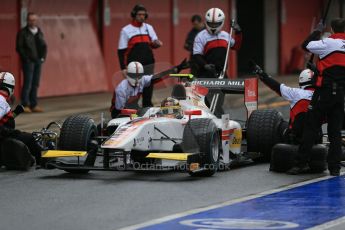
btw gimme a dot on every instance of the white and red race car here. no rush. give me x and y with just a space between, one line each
197 142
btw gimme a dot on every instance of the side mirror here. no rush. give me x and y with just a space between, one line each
129 112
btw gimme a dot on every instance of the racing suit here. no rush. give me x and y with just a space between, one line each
299 101
328 98
127 96
7 129
209 53
135 44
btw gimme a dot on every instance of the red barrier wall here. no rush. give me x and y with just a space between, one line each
75 62
9 22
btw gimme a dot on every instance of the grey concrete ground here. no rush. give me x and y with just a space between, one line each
41 199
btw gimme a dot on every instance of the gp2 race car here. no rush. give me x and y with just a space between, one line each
196 142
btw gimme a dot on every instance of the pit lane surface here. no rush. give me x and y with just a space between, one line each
41 199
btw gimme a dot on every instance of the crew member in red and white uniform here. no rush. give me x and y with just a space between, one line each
129 90
328 98
299 99
7 122
210 47
136 42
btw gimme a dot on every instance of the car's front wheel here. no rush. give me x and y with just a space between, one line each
201 136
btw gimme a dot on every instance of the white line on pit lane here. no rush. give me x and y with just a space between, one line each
227 203
329 224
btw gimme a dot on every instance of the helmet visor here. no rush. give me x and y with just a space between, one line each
214 25
135 76
170 110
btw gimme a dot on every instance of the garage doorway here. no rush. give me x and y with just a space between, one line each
251 19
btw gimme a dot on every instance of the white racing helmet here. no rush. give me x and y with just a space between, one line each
305 78
214 20
7 82
135 72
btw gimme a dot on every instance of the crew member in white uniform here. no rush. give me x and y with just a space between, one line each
328 98
209 50
7 122
129 90
136 42
299 99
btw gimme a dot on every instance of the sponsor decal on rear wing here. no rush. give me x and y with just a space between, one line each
225 85
251 95
248 87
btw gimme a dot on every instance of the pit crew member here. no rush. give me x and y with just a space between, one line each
7 122
210 47
299 99
129 90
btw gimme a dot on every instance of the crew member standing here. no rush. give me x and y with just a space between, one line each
328 98
136 42
210 47
198 26
32 50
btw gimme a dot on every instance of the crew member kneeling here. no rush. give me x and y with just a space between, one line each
7 122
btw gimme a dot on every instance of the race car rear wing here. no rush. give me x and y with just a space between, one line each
248 87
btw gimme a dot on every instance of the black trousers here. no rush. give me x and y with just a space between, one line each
329 105
148 91
30 142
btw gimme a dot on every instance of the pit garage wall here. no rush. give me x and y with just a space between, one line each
75 63
9 22
297 18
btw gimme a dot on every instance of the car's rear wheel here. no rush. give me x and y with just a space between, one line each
201 136
263 132
76 133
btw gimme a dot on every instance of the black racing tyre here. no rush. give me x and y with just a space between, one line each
319 153
201 136
263 132
179 92
283 157
318 158
76 133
